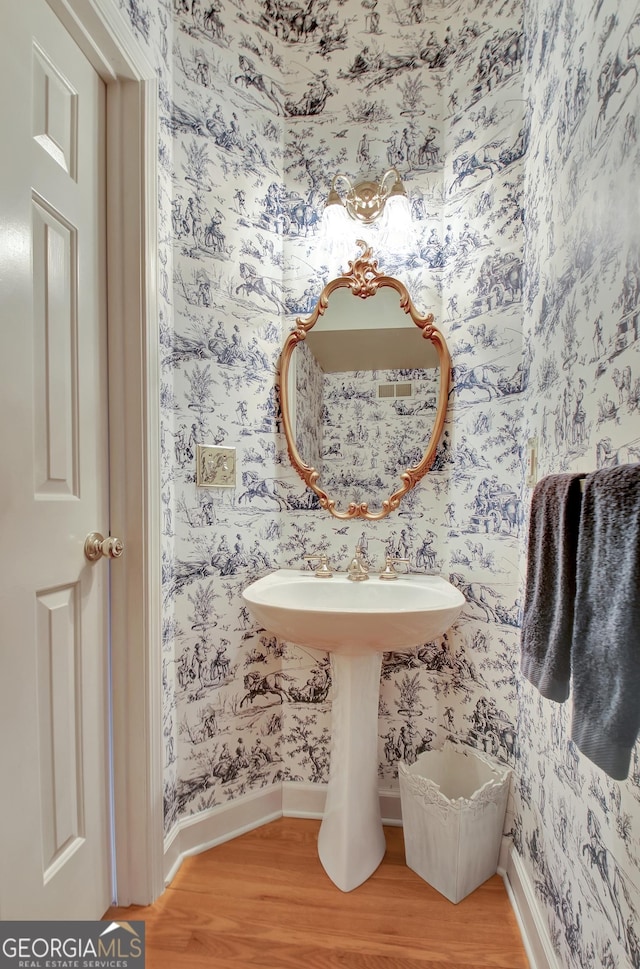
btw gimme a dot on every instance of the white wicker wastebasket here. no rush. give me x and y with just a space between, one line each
454 802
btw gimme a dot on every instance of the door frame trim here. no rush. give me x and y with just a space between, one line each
107 41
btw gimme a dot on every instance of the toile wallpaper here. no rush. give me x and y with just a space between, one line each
514 127
578 830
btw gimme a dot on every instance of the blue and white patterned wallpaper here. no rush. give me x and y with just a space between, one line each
515 130
579 831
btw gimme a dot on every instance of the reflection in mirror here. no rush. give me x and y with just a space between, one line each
364 387
363 428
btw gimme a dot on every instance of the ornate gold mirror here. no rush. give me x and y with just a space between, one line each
364 397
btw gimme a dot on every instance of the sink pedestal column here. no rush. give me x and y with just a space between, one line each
351 841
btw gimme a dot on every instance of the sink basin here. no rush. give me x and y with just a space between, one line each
338 615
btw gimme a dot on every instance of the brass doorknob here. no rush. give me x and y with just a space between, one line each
95 547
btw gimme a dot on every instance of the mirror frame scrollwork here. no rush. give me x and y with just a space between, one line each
364 280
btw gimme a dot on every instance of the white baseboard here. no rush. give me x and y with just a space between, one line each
390 808
301 799
210 828
291 799
537 944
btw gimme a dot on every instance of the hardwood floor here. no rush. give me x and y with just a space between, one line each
263 900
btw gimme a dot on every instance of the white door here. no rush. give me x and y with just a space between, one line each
54 800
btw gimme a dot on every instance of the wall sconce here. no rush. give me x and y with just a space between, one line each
368 202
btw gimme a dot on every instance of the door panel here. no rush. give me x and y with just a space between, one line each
58 663
55 340
54 835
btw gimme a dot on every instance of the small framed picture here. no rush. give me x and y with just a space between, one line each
215 466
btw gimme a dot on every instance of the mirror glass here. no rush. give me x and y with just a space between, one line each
364 387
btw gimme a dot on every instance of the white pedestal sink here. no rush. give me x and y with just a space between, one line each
355 622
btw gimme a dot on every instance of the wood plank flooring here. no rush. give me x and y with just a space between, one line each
263 900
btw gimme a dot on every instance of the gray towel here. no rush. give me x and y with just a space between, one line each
606 636
547 622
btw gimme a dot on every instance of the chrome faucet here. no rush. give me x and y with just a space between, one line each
358 569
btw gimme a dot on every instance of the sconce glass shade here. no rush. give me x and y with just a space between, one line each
337 234
396 234
334 217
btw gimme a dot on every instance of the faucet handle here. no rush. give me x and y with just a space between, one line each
389 570
358 569
323 571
